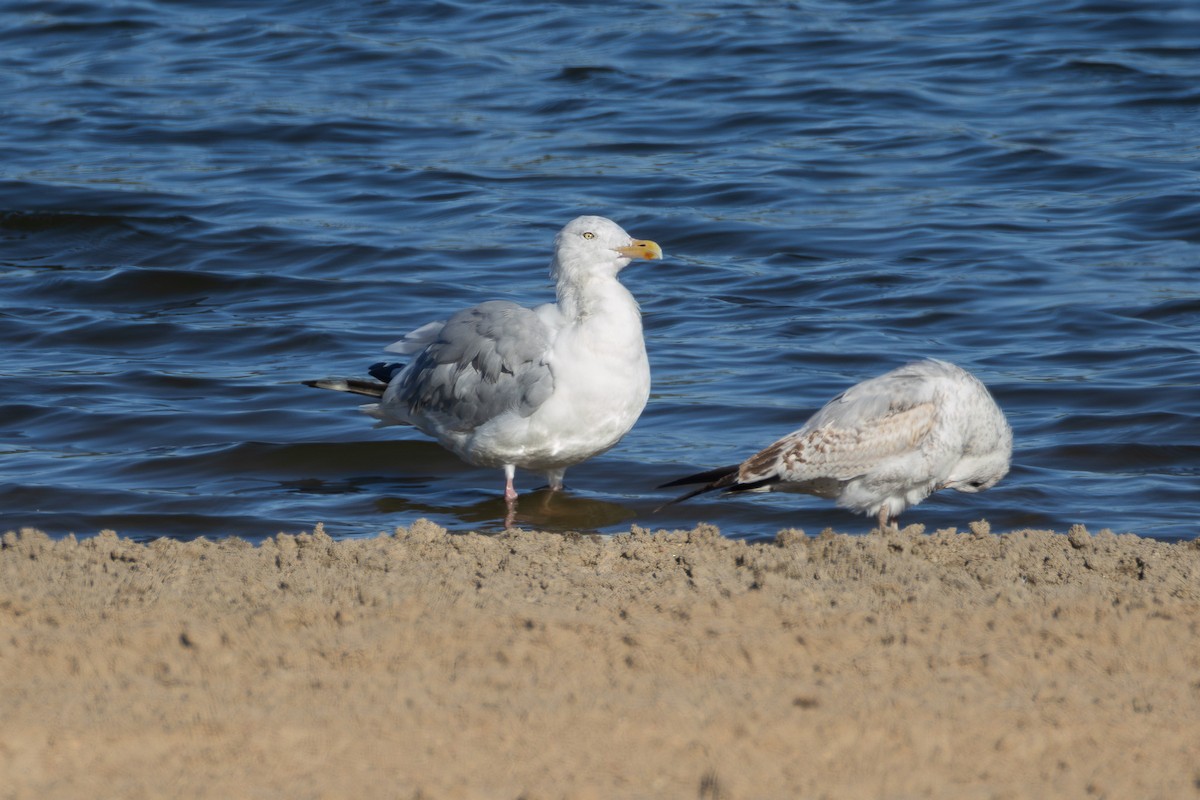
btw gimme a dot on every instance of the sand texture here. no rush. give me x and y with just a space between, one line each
659 665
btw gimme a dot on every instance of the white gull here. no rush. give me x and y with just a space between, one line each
544 388
883 445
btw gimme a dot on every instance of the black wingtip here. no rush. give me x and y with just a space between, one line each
384 371
713 479
352 385
723 478
708 476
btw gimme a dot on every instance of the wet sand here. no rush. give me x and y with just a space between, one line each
539 665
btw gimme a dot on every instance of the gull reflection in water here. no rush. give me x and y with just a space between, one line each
542 509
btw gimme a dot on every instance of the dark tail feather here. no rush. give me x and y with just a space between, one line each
711 476
713 479
352 385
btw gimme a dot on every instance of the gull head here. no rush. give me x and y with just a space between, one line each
977 471
590 246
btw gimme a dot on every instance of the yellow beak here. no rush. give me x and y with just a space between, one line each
642 248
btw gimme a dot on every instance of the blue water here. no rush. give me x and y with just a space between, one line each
203 203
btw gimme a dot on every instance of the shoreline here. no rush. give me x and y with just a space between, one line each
665 664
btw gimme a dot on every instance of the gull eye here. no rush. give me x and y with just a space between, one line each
589 235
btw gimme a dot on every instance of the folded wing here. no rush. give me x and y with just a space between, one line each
858 431
483 362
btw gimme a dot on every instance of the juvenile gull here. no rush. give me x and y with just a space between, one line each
883 445
501 385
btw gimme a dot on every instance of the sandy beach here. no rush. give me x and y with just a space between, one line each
423 664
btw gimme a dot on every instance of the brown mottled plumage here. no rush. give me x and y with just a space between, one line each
883 445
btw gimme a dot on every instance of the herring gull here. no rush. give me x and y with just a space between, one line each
883 445
543 388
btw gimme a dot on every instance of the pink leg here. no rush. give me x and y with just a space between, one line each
510 496
510 493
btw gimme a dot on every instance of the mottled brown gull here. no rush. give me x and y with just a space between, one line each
883 445
543 388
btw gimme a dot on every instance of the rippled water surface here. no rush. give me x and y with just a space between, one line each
202 204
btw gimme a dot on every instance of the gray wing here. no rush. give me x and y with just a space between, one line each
484 361
882 418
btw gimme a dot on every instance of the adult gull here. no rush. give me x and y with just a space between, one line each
544 388
883 445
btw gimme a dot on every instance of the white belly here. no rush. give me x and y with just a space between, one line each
596 401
